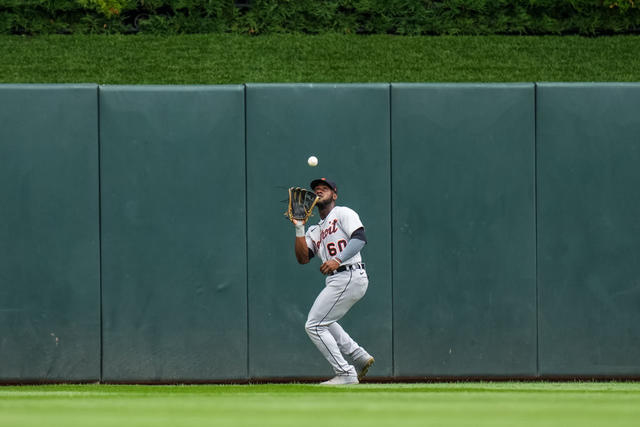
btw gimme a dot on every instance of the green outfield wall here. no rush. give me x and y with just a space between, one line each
464 229
589 228
173 233
49 233
143 238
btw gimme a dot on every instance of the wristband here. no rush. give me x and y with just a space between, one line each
299 230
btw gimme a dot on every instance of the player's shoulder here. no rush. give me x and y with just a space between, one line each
343 210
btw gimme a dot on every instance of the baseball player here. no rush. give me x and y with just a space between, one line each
337 240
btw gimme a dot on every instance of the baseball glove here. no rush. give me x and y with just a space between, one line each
301 203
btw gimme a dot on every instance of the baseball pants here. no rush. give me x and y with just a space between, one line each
341 292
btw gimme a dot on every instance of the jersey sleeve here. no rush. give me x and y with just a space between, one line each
310 243
349 220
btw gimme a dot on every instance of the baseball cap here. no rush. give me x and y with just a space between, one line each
324 181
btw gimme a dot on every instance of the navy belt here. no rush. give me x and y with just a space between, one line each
357 266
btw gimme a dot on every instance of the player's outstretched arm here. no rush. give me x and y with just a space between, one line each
302 251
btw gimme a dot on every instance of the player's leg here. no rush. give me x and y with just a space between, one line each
346 344
361 359
338 296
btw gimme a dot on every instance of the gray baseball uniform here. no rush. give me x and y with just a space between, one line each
342 290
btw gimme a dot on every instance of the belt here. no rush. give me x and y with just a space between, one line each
342 268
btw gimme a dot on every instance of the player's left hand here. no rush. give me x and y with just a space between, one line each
329 266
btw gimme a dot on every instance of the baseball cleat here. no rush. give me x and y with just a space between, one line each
341 380
363 368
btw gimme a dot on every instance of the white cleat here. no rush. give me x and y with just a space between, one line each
342 380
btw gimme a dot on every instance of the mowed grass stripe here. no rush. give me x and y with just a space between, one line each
457 387
463 404
233 59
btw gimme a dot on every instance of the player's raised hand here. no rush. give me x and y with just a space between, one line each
329 266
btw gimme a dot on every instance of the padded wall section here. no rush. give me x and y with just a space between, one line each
347 128
174 239
589 228
463 229
49 229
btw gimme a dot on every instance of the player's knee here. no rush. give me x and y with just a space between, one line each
311 327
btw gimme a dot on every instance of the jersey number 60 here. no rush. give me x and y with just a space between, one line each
331 247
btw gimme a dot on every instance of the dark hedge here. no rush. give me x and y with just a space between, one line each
401 17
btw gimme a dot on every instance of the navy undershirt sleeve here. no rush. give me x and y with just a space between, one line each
359 234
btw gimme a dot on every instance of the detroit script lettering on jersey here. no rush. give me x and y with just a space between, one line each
330 236
331 228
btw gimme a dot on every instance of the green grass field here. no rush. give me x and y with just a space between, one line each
221 59
370 405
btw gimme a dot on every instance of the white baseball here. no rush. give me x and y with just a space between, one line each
313 161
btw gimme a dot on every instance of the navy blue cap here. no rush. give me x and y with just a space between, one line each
324 181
